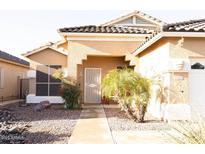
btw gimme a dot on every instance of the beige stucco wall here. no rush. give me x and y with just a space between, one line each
185 47
172 85
11 83
179 88
158 58
32 86
153 64
114 48
45 57
105 63
63 45
79 50
154 59
48 57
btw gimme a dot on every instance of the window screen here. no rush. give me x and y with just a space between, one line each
41 89
54 68
54 89
46 84
42 73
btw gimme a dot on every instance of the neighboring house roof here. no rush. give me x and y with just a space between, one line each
105 29
13 59
57 43
188 28
49 45
135 13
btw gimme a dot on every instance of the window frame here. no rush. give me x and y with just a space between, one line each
48 83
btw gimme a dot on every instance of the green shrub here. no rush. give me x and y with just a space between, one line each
70 91
129 89
71 94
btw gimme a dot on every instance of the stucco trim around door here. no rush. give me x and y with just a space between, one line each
95 84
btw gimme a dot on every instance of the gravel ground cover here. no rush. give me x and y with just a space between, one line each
126 131
118 121
53 125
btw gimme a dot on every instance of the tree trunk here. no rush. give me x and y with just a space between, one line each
129 113
142 110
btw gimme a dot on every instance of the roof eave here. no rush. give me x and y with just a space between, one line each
105 37
167 34
43 48
65 34
149 43
14 63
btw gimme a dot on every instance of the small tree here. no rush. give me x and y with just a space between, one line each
129 89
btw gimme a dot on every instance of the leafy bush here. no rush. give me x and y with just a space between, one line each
70 91
129 89
71 94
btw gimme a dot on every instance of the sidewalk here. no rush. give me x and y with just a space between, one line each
92 127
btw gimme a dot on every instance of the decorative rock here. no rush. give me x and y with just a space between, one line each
11 131
42 105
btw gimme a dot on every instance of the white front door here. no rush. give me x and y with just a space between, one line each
92 90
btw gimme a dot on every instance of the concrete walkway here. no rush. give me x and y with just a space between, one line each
92 127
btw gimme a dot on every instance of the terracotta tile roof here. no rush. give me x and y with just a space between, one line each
186 26
6 56
148 39
105 29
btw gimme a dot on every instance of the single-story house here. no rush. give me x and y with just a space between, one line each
172 54
86 54
12 71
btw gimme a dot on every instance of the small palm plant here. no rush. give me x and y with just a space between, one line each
129 89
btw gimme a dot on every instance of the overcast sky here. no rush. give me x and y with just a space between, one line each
21 31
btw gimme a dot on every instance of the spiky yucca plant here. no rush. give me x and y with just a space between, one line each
191 132
131 90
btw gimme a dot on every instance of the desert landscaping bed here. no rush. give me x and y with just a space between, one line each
25 125
125 130
118 121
